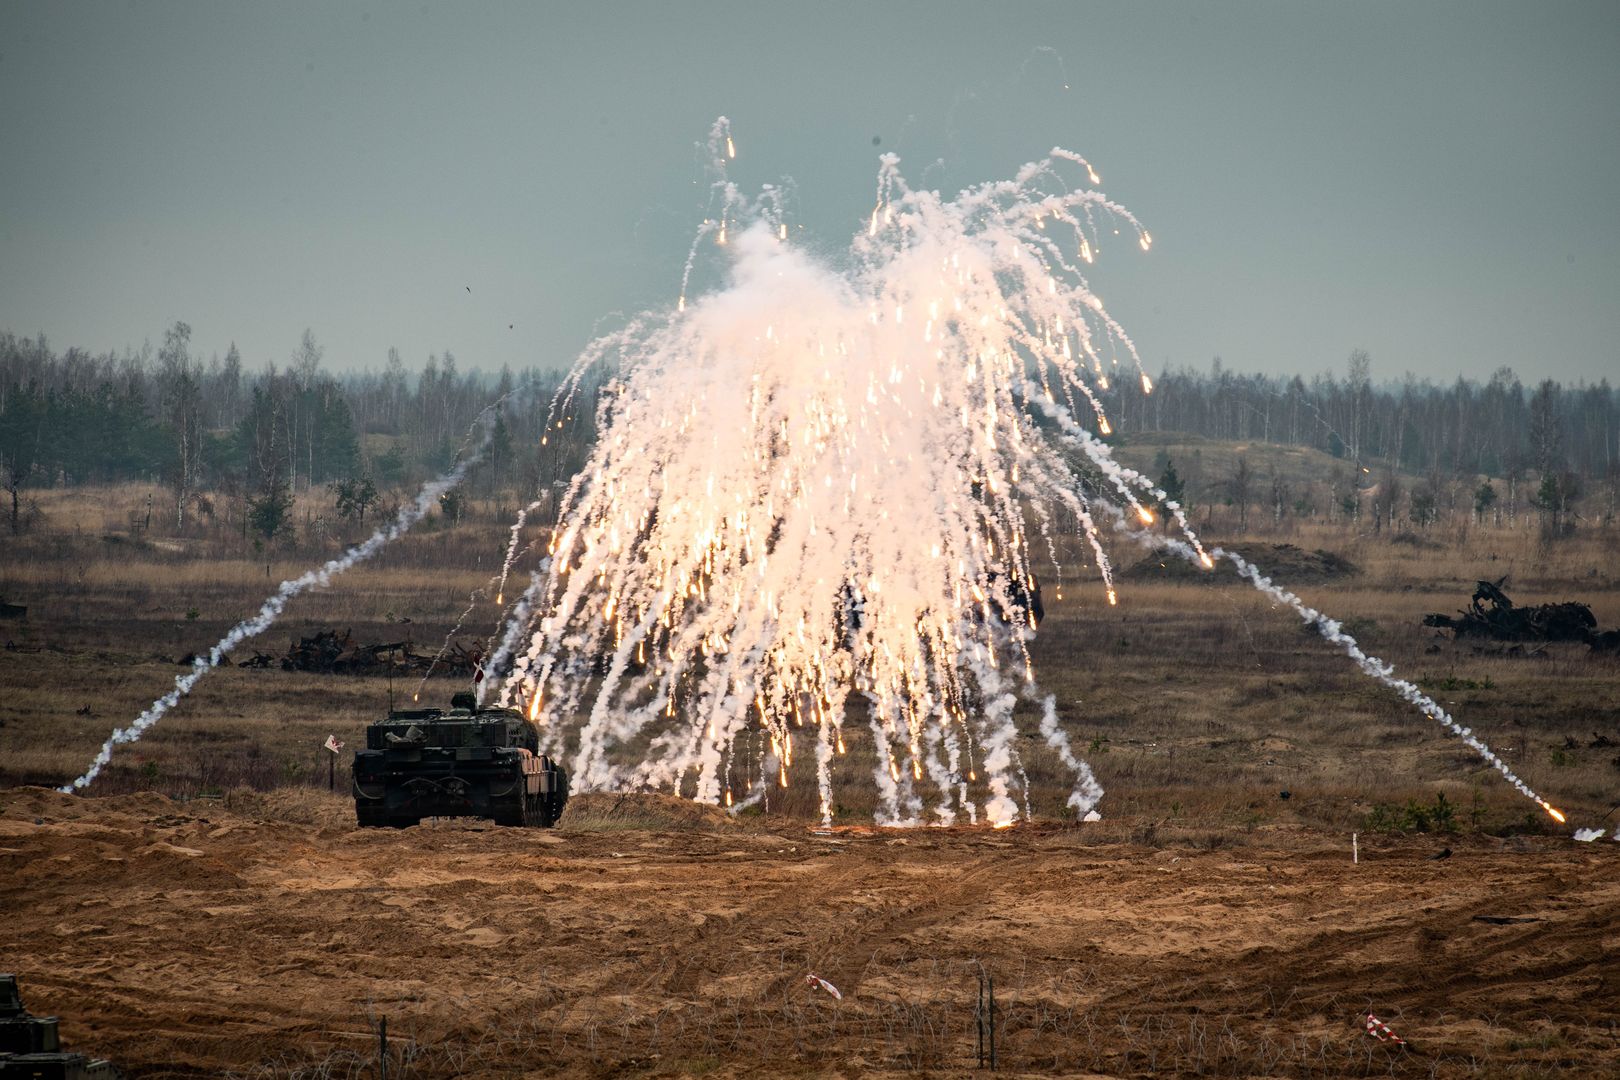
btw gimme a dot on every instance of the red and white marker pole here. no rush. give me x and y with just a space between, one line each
1381 1031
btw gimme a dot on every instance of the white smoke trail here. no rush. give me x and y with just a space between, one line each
1333 633
1124 479
498 583
1331 630
408 515
472 603
1087 791
512 547
522 610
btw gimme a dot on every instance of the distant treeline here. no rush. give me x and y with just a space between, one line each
1499 429
166 416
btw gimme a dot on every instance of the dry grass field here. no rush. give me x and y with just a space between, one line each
1197 700
213 911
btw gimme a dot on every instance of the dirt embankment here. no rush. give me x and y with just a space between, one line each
1283 562
194 939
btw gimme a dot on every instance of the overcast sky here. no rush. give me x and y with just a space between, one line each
1435 183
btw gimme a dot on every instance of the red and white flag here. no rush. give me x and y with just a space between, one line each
813 979
1380 1031
334 744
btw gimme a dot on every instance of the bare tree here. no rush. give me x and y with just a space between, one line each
1358 379
182 406
1241 489
20 436
1546 428
303 368
1386 500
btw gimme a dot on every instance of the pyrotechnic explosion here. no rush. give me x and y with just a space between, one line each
821 481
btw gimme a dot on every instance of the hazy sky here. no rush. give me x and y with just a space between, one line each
1435 183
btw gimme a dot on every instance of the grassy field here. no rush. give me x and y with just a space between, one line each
1198 701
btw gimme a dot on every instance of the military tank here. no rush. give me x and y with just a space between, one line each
461 762
29 1045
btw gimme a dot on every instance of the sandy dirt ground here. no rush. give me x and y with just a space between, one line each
184 939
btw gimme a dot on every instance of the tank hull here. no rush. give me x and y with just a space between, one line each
399 788
468 762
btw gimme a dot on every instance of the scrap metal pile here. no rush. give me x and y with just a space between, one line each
1492 615
329 652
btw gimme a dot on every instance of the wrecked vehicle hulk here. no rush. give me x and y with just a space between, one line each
1492 615
464 762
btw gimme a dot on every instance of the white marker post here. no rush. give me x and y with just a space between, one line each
334 744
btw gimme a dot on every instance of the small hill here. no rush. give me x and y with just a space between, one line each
608 812
1206 462
1286 563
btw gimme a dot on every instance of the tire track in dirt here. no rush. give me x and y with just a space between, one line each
272 941
1426 962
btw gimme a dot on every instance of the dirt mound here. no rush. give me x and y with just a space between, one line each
649 812
298 806
1413 540
1283 563
311 806
48 804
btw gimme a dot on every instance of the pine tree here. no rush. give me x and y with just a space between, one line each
1174 491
